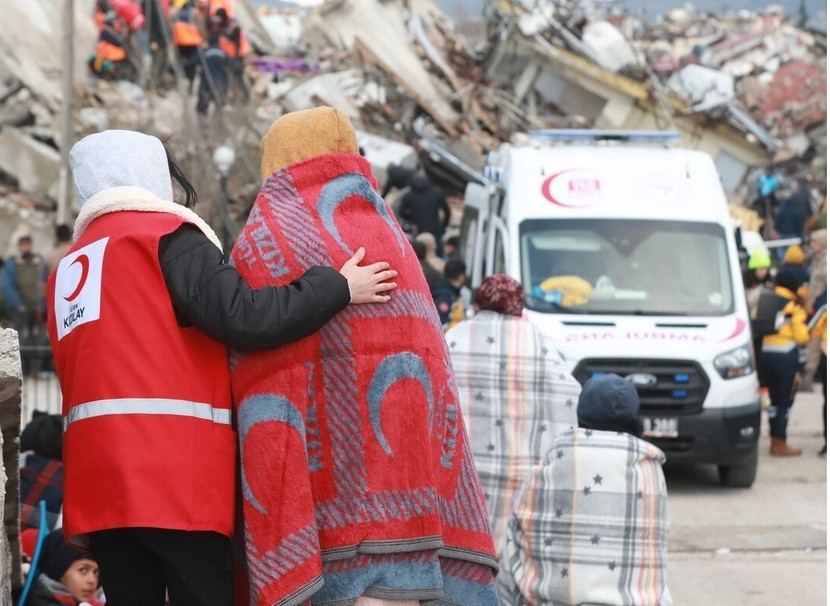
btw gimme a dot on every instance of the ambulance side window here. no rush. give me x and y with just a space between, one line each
499 264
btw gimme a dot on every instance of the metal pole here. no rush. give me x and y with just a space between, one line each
228 233
65 189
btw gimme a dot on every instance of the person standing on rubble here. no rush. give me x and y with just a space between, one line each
766 202
142 311
213 85
234 43
188 40
24 299
426 207
132 15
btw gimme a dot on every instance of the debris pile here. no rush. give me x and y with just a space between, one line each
748 88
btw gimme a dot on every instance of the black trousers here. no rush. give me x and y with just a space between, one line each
138 565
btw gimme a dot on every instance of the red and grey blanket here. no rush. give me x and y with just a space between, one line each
356 475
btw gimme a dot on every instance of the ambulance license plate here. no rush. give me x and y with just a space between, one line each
660 427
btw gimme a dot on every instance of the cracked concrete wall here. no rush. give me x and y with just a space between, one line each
10 399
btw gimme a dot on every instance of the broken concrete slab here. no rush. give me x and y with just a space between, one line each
35 165
698 84
40 66
336 89
16 108
10 401
376 31
381 152
606 46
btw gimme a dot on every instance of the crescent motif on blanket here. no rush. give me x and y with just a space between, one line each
405 365
335 193
262 409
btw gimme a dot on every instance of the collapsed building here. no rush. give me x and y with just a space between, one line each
750 91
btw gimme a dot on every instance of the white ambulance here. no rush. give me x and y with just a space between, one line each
628 259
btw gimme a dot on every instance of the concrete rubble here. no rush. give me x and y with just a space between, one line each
11 578
747 87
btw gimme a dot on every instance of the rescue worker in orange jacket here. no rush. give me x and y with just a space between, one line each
188 39
110 58
142 310
234 42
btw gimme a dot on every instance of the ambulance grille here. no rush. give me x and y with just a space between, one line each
680 387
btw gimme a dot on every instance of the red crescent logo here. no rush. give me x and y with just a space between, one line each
84 261
739 328
583 191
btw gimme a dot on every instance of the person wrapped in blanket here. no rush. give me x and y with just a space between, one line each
517 394
358 484
590 524
41 470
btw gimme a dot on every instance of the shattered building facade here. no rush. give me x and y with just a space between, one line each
749 89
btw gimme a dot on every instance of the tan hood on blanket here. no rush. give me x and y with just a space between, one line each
301 135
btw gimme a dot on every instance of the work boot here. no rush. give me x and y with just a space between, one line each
779 448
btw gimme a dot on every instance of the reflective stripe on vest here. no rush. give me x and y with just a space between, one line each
779 348
147 406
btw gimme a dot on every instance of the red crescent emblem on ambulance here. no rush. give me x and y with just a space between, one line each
739 328
84 262
572 188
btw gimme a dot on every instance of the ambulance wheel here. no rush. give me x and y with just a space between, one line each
741 475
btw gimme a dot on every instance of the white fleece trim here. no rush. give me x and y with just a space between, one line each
129 198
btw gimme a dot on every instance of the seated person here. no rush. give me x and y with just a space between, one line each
41 470
65 575
590 524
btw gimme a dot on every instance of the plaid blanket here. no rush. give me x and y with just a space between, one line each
590 526
517 395
356 474
41 478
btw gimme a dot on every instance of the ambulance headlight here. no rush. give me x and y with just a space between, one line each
735 363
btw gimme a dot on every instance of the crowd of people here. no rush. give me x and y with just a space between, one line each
137 38
786 289
274 429
787 302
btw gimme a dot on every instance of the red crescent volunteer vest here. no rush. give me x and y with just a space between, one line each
147 440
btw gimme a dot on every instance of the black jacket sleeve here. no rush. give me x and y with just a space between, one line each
444 205
210 294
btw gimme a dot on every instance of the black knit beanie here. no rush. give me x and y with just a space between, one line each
56 555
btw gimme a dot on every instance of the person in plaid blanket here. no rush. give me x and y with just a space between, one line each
590 524
41 470
516 393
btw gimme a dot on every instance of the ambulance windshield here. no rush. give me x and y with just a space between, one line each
636 267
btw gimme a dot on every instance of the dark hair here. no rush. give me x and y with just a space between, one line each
63 233
453 241
190 197
420 249
454 269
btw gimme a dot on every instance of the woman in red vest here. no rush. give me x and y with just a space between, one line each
142 311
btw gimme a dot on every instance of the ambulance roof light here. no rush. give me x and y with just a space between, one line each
565 135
